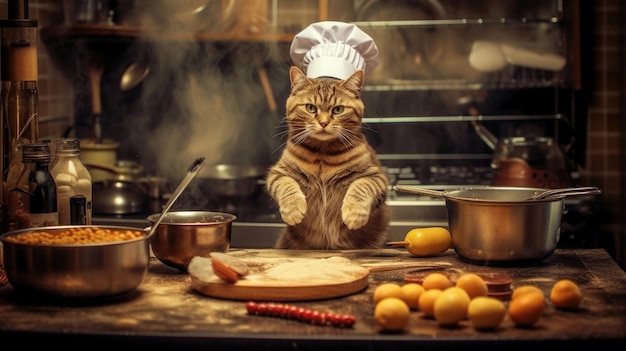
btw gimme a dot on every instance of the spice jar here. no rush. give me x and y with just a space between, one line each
33 198
74 190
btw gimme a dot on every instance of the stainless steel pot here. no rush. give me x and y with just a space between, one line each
500 225
182 235
78 272
229 180
120 193
118 197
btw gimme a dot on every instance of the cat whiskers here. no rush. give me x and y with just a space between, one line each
368 128
348 138
301 136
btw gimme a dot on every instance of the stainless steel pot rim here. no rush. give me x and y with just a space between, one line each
194 218
71 246
520 195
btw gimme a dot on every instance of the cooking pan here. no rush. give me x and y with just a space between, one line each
230 180
88 271
503 225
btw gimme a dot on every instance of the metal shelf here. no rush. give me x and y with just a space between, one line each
422 157
459 22
431 119
459 84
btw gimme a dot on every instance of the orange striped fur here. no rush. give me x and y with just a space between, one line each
328 183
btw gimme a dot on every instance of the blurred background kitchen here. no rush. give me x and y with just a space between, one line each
148 86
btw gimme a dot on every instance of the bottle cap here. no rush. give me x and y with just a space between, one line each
35 152
67 144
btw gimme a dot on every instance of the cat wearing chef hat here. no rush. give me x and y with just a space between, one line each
328 183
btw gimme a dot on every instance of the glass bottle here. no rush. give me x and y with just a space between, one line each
20 103
19 99
33 199
73 180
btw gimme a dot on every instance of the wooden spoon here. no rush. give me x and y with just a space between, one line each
95 69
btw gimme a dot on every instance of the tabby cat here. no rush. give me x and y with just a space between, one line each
328 183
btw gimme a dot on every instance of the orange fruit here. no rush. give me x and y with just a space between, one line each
565 294
473 285
485 312
436 281
451 306
391 314
527 309
413 291
427 301
388 290
523 290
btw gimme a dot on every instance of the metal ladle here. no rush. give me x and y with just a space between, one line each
191 172
134 74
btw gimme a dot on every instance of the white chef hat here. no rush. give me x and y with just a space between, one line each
333 49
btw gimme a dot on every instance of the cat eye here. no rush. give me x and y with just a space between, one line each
310 108
338 109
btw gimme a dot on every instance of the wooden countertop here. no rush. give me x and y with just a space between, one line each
166 312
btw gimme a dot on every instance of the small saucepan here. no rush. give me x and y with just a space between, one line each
119 194
503 225
230 180
181 235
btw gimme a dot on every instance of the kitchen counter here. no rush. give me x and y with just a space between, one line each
165 312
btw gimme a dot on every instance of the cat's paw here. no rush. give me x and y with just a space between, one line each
293 211
355 215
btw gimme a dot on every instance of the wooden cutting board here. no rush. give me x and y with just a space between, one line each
289 279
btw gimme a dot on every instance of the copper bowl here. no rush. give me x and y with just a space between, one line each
184 234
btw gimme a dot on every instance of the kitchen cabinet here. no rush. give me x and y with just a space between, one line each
165 312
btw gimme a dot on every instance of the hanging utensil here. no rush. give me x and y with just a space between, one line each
485 135
95 68
191 172
134 74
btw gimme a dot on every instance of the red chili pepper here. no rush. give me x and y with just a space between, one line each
300 314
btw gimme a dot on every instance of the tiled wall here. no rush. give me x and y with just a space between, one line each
606 146
606 158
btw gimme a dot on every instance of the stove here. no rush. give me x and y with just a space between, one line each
258 222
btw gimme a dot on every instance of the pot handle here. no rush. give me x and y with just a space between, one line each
563 192
418 190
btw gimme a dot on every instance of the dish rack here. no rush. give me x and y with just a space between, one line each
435 80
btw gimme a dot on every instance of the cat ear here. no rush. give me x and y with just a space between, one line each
296 76
354 82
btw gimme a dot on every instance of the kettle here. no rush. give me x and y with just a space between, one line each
535 162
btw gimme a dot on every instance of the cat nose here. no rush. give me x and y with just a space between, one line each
323 124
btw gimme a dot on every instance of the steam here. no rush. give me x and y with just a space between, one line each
204 99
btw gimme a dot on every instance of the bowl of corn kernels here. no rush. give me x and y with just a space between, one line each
76 262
